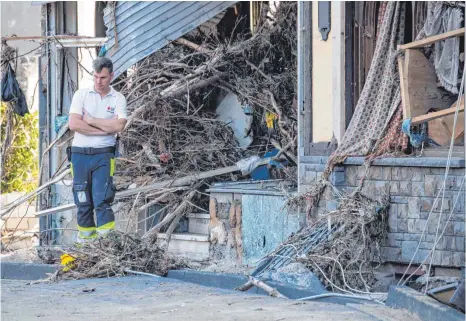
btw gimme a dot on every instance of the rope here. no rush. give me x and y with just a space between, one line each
450 152
442 190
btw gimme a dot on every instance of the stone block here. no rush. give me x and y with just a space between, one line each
412 237
426 245
338 178
351 176
458 228
408 250
405 188
414 207
382 188
314 167
386 173
443 206
368 188
417 189
430 238
403 210
396 174
412 226
458 202
446 243
457 218
375 172
426 203
459 244
430 185
391 254
402 225
420 225
397 236
442 258
458 259
450 228
393 223
394 188
418 174
434 182
399 199
424 215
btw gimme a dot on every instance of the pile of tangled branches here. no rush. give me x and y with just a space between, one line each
344 263
117 254
173 129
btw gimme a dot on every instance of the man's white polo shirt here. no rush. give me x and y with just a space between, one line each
106 107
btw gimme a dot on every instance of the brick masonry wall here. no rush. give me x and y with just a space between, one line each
413 191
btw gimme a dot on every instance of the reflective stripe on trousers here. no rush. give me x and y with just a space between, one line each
86 234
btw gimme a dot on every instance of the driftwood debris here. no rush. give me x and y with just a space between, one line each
267 288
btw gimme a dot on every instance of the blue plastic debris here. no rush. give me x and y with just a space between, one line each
60 121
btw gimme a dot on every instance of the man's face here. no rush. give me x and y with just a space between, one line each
102 79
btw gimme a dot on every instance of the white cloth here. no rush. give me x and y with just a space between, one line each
249 164
106 107
440 19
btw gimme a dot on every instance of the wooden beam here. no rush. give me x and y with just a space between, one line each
48 37
183 181
433 39
403 87
438 114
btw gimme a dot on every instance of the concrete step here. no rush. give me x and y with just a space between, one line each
198 223
189 245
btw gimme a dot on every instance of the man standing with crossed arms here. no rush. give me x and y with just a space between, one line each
97 114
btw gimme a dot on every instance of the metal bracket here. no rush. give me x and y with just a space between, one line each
324 22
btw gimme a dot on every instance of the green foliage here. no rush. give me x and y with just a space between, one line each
20 147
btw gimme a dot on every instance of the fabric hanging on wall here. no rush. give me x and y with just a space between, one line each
442 18
380 96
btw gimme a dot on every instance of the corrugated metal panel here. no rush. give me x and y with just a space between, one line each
145 27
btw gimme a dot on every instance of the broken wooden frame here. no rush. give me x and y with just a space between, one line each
418 83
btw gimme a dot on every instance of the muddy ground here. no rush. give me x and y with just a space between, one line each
146 298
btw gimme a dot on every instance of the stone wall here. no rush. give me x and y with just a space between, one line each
412 191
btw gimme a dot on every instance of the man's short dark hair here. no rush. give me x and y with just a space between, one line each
101 63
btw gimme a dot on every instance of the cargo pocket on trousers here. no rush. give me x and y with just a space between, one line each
81 194
110 191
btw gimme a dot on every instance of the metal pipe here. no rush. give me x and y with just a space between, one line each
142 273
326 295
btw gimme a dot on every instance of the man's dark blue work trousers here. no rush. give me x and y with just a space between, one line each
93 189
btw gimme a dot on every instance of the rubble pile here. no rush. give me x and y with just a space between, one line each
339 246
115 255
174 131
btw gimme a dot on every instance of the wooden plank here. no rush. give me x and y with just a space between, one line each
403 87
438 114
419 86
182 181
433 39
441 130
